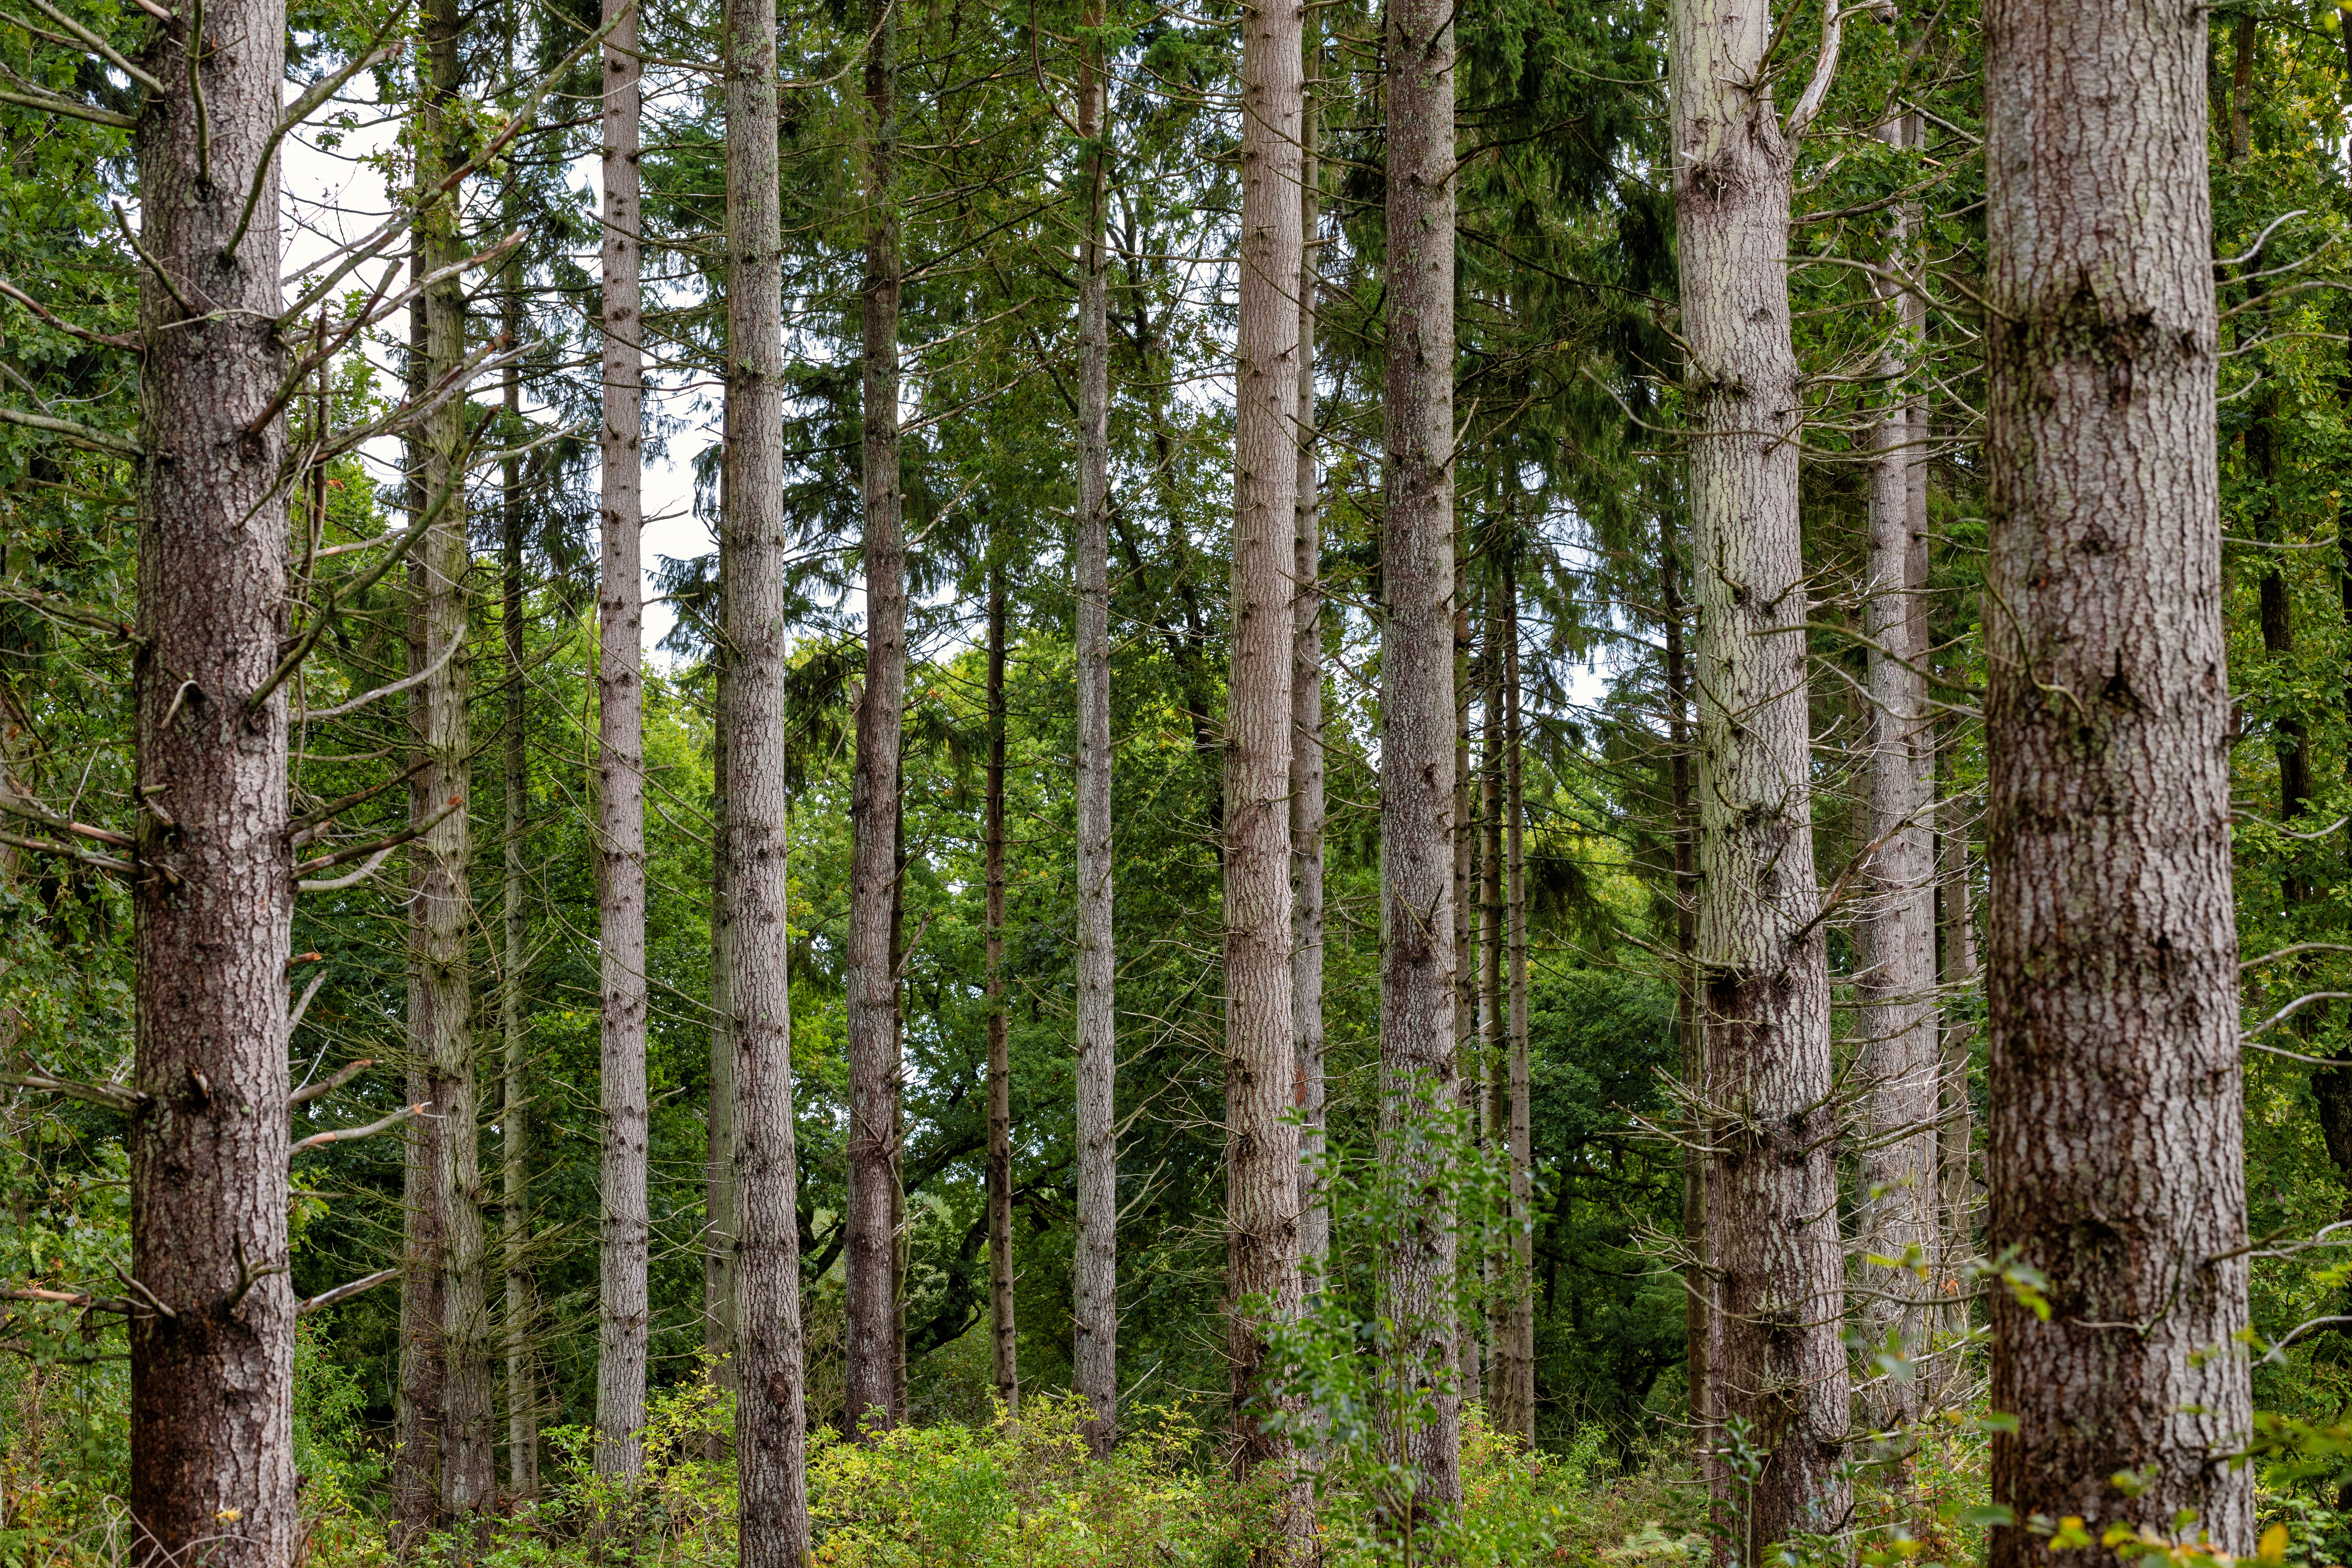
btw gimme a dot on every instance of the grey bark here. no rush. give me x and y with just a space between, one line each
624 1313
1307 727
1463 1334
1260 1054
1895 960
520 1307
1418 768
2114 1142
870 1253
443 1028
212 1384
1773 1252
1007 1365
720 1312
1517 1342
1494 1058
772 1413
1094 1321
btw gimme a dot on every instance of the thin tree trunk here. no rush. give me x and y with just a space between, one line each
1494 1047
721 1313
2111 962
212 1382
772 1413
1773 1249
1898 1166
1517 1344
1462 1336
1698 1283
898 1237
1418 770
623 1312
1261 1061
1306 727
416 1450
1000 1059
872 1243
1956 1180
520 1308
1094 1375
444 898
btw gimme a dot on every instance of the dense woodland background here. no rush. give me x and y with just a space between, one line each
1575 575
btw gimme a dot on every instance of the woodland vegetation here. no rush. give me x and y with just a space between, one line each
1490 785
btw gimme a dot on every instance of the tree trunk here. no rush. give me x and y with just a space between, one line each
1517 1344
624 1312
1462 1335
442 922
520 1308
1494 1058
1094 1375
416 1448
770 1415
1698 1282
1956 1186
720 1312
1306 727
212 1384
1000 1060
1897 940
1418 769
1261 1061
2111 960
1773 1249
871 1249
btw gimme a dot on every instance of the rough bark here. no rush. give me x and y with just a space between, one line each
1462 1335
1418 766
1895 938
720 1312
211 1460
871 1250
623 1312
1094 1375
442 1031
1493 1017
1698 1283
520 1307
770 1415
2115 1141
1773 1249
1000 1060
1307 727
1261 1060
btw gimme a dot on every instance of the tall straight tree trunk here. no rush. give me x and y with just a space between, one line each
720 1312
1307 724
1773 1249
416 1447
1901 1063
1463 1334
1261 1054
2111 955
1000 1059
212 1384
1956 1184
623 1312
1698 1284
1418 766
1493 1019
441 921
899 1238
1516 1344
1094 1371
520 1308
871 1250
772 1412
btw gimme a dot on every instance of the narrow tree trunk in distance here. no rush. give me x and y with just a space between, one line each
416 1450
211 1386
1418 768
2111 960
871 1250
1517 1344
623 1312
444 900
1494 1061
770 1415
1094 1371
1898 1166
1261 1062
520 1307
1462 1336
1956 1184
898 1090
1698 1284
721 1313
1000 1060
1306 729
1776 1356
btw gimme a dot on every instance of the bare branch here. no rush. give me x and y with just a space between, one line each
354 1134
111 340
345 1292
112 1096
84 436
343 1076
